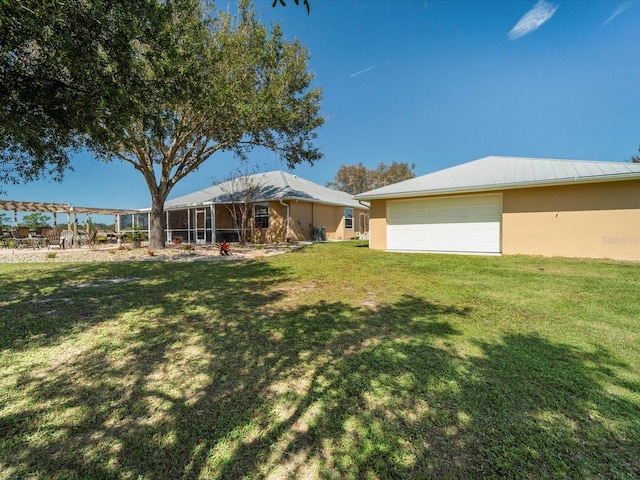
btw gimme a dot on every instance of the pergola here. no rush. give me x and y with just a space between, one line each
59 208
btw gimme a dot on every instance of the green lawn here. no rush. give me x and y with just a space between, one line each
333 361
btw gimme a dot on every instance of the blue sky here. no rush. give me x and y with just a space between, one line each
435 83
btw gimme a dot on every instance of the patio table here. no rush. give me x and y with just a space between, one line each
38 241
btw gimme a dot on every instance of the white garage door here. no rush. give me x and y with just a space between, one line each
453 224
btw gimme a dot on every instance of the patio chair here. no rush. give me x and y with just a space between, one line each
69 241
55 239
4 238
18 241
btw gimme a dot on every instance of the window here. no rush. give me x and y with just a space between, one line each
261 216
348 218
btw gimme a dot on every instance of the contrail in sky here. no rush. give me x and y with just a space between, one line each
618 11
362 71
533 19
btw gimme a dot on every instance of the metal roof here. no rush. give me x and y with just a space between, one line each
274 185
494 173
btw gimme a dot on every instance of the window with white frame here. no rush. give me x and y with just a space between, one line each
348 218
261 215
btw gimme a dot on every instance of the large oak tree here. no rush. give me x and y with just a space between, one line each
64 70
191 82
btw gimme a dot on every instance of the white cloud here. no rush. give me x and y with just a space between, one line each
533 19
618 11
362 71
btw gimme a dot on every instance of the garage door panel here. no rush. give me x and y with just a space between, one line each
456 224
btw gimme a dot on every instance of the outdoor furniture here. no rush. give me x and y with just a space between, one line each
67 237
4 238
102 236
37 241
54 239
121 238
113 236
18 241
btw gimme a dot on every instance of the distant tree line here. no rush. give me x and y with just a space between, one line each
37 219
356 179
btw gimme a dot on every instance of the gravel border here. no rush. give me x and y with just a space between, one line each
126 254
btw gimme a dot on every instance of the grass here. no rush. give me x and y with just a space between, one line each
329 362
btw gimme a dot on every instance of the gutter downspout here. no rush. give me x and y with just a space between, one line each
368 208
288 230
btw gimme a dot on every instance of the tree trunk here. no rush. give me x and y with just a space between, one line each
157 235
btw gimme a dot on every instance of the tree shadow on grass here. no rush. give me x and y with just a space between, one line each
223 380
401 407
195 389
45 305
539 410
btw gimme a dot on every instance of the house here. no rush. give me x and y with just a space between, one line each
283 207
509 205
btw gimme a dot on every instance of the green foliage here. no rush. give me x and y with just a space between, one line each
162 85
65 76
356 179
35 220
136 234
102 226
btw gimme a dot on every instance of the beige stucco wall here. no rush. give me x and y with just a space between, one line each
301 224
378 225
332 218
277 231
344 233
595 220
328 216
304 216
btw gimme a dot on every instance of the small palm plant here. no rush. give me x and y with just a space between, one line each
136 236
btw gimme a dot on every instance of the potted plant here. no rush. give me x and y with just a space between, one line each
136 236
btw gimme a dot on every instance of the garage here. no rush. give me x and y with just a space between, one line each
464 224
